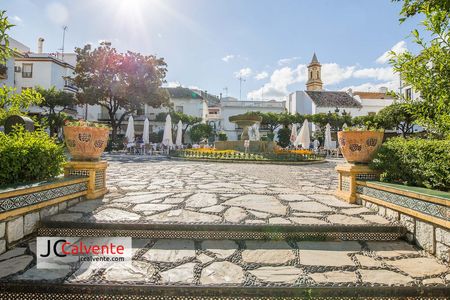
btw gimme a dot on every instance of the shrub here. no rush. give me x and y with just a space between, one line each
284 134
417 162
29 156
222 136
200 131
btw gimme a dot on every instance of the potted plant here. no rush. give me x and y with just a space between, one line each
85 141
359 145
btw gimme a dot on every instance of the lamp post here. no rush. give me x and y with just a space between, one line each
240 87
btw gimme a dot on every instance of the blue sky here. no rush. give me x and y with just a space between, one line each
208 43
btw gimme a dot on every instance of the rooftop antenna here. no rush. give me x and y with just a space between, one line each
63 40
240 87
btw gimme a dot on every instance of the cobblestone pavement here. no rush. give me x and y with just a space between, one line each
190 192
243 263
185 192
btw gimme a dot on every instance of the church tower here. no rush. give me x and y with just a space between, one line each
314 82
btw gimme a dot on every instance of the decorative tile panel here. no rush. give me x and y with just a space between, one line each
41 196
432 209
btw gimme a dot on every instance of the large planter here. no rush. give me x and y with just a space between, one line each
359 146
85 143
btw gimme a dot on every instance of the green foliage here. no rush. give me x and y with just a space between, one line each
12 103
54 102
416 162
117 81
284 135
398 116
187 120
156 137
5 51
29 156
369 122
412 7
429 70
222 136
200 131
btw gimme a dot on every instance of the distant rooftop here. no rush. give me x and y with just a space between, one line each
373 95
182 92
332 99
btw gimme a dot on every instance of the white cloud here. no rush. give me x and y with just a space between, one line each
57 13
283 78
228 57
172 84
332 73
17 20
280 80
194 87
398 48
244 73
287 61
376 73
261 75
373 87
160 35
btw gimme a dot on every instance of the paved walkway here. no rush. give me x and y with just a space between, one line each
191 193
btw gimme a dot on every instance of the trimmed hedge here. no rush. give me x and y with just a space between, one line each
416 162
29 156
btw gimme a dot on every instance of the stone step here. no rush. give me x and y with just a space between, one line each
152 292
371 232
200 269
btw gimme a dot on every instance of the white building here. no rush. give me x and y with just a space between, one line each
30 70
7 77
316 100
219 115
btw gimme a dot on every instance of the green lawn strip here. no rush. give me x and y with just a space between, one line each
415 189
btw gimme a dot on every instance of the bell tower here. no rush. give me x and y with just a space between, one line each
314 82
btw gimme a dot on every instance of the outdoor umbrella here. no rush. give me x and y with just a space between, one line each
293 133
179 140
303 136
146 133
167 137
130 130
327 145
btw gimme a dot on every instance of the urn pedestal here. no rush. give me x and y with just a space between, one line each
94 170
348 174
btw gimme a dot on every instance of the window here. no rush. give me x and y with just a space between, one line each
140 111
27 70
408 93
310 75
179 109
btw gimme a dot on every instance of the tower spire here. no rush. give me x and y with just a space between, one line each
314 59
314 82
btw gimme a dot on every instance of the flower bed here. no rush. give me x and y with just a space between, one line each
202 153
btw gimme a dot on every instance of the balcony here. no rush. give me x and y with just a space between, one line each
70 88
213 117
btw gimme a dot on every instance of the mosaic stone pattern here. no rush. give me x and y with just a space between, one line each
243 263
41 196
176 192
432 209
